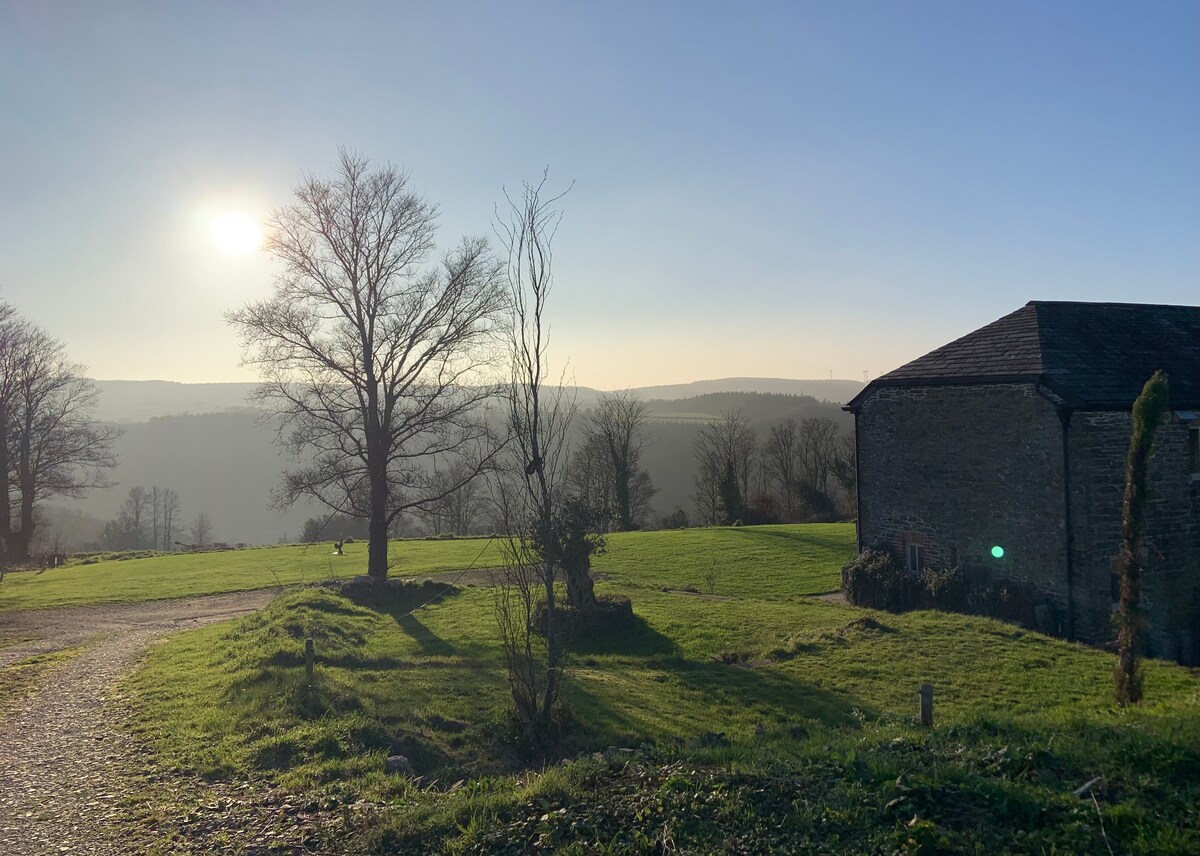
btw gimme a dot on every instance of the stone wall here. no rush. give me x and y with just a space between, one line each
960 469
1099 443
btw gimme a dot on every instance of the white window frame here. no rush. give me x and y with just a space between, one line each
913 557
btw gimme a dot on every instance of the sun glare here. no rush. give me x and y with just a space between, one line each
235 233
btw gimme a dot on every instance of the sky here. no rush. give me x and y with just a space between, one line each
792 189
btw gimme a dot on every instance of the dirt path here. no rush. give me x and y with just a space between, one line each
62 752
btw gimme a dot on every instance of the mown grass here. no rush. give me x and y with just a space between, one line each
764 721
171 575
772 558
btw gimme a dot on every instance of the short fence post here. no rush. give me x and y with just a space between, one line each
926 693
308 658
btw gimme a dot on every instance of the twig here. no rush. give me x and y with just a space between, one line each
1100 815
1089 788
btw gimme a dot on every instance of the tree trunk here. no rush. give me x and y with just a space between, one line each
377 533
377 548
580 590
552 649
624 511
20 539
5 497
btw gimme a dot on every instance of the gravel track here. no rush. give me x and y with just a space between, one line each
64 758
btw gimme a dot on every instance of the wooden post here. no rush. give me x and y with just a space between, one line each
308 658
926 694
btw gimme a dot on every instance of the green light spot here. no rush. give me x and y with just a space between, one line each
998 552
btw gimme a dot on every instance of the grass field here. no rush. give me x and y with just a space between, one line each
770 556
182 574
761 719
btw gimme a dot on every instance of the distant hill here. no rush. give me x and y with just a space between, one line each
838 391
139 400
204 441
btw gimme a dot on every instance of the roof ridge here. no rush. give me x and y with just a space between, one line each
1124 304
1097 353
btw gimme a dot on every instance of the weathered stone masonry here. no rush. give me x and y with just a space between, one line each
1098 445
962 469
1016 436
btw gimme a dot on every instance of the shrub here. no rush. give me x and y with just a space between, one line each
875 579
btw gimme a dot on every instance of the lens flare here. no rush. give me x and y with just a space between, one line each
998 552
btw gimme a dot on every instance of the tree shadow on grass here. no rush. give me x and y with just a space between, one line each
429 642
631 638
767 688
710 693
800 537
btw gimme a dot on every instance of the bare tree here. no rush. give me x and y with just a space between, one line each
128 530
781 459
170 511
200 532
617 427
543 534
845 473
136 505
458 511
463 507
818 446
370 359
155 516
725 460
51 447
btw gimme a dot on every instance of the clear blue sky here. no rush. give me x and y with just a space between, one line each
777 189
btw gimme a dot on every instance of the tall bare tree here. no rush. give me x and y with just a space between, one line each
818 446
128 530
617 426
845 473
50 445
200 532
539 416
369 358
170 513
781 459
725 461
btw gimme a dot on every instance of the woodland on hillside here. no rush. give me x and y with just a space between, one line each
230 466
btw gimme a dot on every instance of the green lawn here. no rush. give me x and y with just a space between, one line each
786 560
171 575
762 721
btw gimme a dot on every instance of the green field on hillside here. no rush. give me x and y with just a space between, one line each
755 719
770 556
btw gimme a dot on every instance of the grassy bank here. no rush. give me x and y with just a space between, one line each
759 720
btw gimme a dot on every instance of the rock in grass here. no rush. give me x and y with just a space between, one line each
398 764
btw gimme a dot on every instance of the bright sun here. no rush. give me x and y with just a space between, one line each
235 233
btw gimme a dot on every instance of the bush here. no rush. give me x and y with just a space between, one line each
875 579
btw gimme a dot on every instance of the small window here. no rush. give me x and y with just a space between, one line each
1194 450
916 558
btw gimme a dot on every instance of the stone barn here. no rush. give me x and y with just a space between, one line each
1003 453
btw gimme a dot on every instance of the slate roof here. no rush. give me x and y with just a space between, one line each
1094 355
